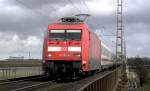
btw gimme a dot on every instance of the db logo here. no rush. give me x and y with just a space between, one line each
64 49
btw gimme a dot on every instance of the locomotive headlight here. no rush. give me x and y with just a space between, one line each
84 62
77 55
49 55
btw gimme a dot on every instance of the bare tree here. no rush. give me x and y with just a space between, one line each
140 70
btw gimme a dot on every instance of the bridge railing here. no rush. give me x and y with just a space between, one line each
16 68
107 82
16 72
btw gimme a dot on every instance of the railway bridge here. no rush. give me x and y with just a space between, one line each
107 80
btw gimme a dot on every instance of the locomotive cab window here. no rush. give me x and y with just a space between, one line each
65 35
73 34
56 35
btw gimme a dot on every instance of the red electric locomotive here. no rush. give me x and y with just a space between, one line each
70 49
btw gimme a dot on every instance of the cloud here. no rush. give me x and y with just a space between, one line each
12 45
23 22
139 43
101 7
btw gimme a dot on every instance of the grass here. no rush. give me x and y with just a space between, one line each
146 86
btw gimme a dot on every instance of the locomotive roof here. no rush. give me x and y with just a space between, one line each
67 25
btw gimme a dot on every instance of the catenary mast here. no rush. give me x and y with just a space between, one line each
119 36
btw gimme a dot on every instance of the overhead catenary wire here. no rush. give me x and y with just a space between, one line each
45 16
74 6
112 34
94 18
86 6
54 9
89 11
23 4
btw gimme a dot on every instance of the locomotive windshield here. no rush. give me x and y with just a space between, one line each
65 35
73 34
57 34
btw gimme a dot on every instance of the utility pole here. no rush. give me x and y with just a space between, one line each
121 45
119 35
125 54
29 55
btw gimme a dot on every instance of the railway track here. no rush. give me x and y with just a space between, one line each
43 84
34 86
25 84
8 81
73 85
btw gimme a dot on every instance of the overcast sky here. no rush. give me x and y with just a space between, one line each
23 22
